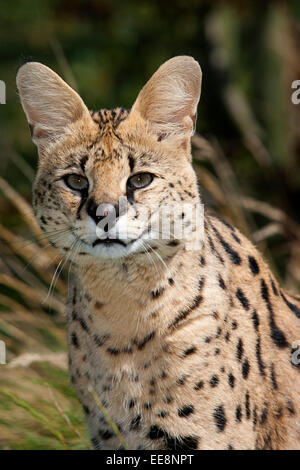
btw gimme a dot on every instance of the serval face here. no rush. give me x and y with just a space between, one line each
113 183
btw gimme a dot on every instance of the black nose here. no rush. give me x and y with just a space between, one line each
99 212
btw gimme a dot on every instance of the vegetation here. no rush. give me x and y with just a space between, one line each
246 153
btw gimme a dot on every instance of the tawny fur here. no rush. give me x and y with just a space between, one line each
190 353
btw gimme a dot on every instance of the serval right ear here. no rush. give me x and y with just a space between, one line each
169 99
50 105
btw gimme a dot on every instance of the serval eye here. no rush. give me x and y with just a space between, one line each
76 182
140 180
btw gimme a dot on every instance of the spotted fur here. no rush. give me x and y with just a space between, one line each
186 349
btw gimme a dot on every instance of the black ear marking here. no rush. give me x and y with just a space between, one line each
194 120
25 60
30 129
161 136
131 162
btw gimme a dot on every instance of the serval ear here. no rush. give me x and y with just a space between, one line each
169 99
50 105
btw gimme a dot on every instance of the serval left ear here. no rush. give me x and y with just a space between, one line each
50 105
169 99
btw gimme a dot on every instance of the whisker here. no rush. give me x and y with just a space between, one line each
161 260
42 249
56 276
72 260
149 255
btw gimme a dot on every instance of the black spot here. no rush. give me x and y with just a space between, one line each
131 162
222 283
241 297
201 282
207 339
275 291
214 251
214 380
290 406
235 257
253 265
95 443
234 325
171 281
135 423
113 351
294 308
240 349
278 412
277 335
185 411
163 414
147 406
267 444
83 325
183 443
190 350
74 316
247 405
147 338
156 432
131 404
173 243
202 261
86 409
220 418
182 315
199 385
231 380
74 340
264 415
261 365
105 435
156 293
74 296
181 380
98 340
238 413
83 162
254 416
273 377
245 368
255 320
168 399
227 336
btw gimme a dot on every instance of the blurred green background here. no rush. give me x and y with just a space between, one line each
246 153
